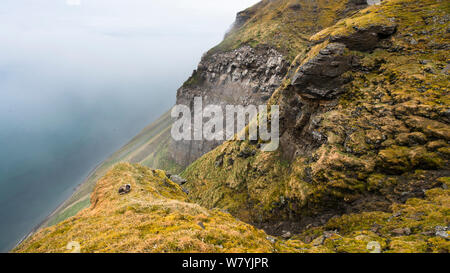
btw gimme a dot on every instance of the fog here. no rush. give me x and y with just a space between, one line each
78 79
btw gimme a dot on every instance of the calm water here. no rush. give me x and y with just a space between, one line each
78 79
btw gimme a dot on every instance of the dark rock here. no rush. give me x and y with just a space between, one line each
246 153
320 77
219 162
230 161
286 235
125 189
429 70
446 69
401 231
271 239
178 179
365 39
308 175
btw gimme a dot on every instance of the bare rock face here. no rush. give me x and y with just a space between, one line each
320 77
374 2
365 39
314 86
245 76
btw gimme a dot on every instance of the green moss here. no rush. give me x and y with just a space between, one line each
401 159
193 80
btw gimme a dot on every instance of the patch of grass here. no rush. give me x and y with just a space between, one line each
70 211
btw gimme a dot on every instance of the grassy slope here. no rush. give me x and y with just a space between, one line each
156 217
409 228
148 148
153 217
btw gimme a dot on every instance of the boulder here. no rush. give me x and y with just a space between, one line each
125 189
320 77
178 179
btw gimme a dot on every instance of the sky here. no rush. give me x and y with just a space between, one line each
78 79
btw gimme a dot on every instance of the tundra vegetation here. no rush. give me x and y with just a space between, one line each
364 147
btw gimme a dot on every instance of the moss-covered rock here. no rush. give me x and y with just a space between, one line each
381 140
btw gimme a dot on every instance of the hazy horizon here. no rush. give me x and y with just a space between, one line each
78 79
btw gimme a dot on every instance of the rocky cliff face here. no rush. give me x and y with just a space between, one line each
364 126
243 76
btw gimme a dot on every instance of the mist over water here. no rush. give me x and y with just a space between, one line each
78 79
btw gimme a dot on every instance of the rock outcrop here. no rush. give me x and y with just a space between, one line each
245 71
245 76
320 77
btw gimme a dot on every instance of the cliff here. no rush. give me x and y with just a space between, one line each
364 125
249 65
